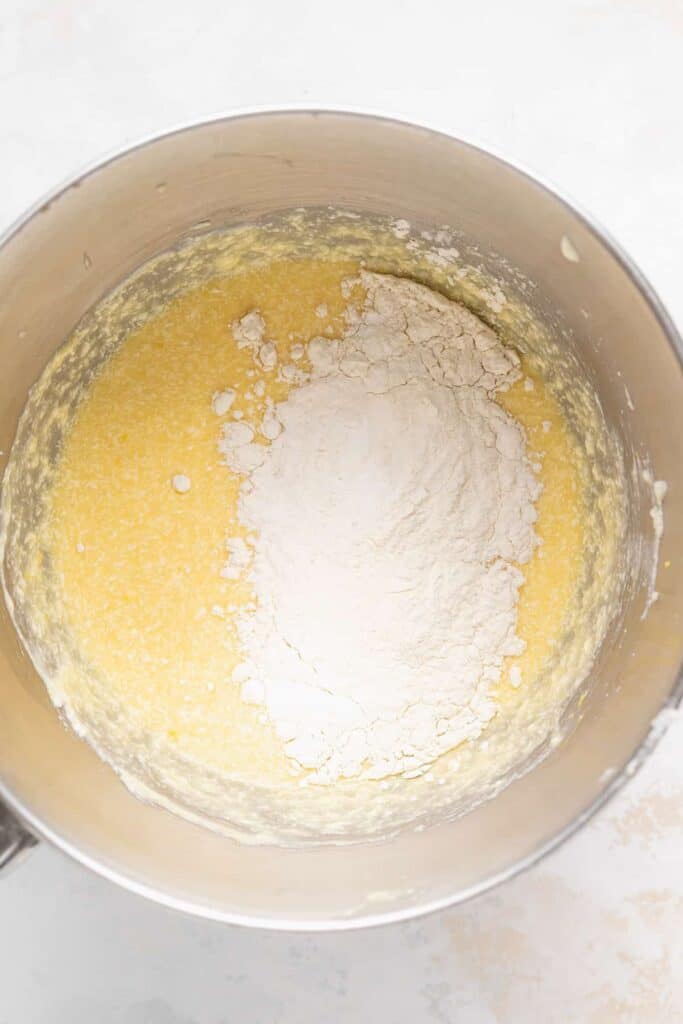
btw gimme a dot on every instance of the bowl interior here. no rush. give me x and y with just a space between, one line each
84 240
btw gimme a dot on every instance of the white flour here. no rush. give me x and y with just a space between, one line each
387 517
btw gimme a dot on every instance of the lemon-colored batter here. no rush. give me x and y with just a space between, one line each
139 564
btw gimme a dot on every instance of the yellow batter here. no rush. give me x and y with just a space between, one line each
139 564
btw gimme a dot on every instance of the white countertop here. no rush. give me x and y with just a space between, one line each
588 94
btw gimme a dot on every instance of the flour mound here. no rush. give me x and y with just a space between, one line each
389 515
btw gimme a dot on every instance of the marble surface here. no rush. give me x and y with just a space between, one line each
587 94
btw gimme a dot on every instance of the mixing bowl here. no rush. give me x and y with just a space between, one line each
69 251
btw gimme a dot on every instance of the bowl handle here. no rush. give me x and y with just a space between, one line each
15 840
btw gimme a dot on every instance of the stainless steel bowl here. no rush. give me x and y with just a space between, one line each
66 253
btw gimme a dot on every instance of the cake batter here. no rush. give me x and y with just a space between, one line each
140 563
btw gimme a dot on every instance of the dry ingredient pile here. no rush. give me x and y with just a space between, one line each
314 531
387 522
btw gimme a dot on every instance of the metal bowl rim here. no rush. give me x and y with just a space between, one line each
644 749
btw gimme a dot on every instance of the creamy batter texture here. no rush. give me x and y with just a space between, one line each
155 558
